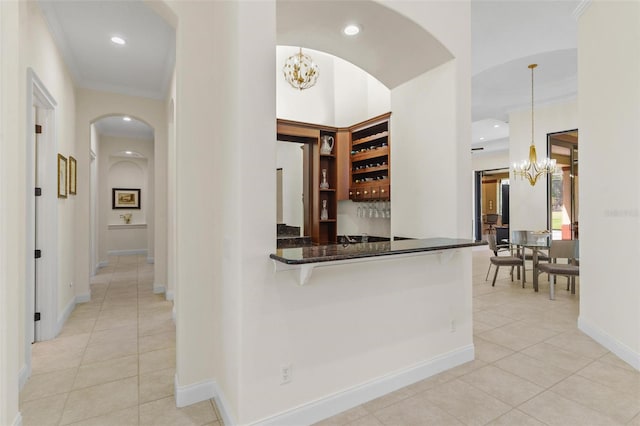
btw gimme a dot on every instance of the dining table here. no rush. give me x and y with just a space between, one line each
536 241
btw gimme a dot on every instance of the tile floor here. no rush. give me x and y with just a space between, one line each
113 364
114 361
533 367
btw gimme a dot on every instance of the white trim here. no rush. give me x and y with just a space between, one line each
191 394
151 260
580 9
624 352
39 97
223 406
23 376
102 264
158 288
127 226
331 405
18 420
65 315
83 298
126 252
169 295
209 389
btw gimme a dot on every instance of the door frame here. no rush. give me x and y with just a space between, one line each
38 97
549 208
477 199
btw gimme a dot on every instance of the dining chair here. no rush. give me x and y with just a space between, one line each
499 261
562 249
491 220
496 249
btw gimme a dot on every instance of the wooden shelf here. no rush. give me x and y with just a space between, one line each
374 153
333 156
373 137
371 183
370 170
327 190
370 138
328 221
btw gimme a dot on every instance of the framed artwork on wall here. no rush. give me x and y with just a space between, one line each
125 198
72 176
62 176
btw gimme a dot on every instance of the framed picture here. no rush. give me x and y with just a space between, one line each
62 176
72 176
125 198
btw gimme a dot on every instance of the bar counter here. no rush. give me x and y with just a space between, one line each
341 252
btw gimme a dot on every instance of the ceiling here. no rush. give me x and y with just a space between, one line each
506 37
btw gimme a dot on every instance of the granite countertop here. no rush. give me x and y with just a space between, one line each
316 254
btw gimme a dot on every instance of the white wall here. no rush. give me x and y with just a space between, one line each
225 279
115 171
171 189
528 204
289 158
11 225
447 21
423 151
343 96
490 160
609 104
349 223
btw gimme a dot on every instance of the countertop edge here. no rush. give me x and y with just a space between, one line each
333 258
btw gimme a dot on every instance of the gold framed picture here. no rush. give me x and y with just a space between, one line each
62 176
125 198
73 179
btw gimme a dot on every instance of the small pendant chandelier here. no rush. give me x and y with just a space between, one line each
300 71
532 169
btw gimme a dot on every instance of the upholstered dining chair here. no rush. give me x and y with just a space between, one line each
496 249
499 261
491 220
562 249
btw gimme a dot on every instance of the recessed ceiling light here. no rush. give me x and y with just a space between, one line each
128 152
126 118
351 30
496 125
118 40
481 139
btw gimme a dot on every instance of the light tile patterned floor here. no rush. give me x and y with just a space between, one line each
533 367
114 362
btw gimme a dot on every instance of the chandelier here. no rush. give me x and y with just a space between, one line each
300 71
532 169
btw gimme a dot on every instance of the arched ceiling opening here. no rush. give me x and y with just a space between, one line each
116 126
390 47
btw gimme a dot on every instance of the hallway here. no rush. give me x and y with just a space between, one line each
114 361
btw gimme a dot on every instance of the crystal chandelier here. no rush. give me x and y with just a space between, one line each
300 71
532 169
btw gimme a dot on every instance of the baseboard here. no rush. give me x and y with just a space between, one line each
334 404
191 394
158 288
169 294
64 316
209 389
102 264
126 252
151 259
23 376
83 298
223 406
18 420
624 352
